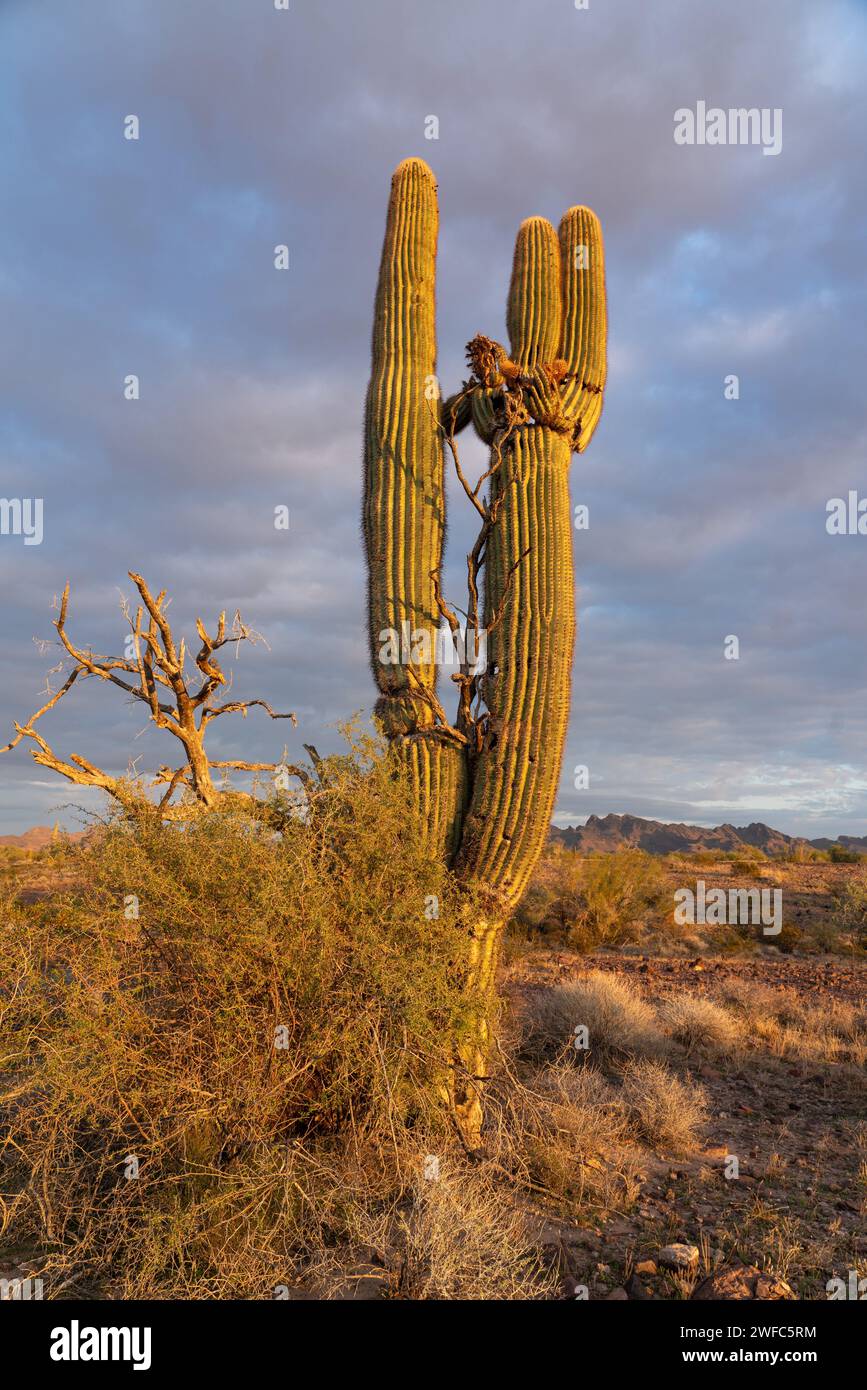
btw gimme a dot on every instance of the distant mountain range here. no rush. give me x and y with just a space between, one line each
37 837
619 832
601 833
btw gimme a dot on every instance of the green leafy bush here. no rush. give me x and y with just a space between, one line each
619 893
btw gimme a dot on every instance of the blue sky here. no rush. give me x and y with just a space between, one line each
259 127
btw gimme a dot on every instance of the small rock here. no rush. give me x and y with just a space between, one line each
617 1296
678 1256
646 1267
740 1281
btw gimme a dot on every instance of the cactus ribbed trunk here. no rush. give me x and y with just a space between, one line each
473 1052
486 802
529 666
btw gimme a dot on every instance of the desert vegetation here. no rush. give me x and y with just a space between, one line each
257 1025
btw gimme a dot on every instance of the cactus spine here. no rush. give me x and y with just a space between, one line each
533 407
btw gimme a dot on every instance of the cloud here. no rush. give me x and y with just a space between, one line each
260 128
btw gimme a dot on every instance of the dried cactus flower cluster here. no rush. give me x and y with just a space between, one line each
484 783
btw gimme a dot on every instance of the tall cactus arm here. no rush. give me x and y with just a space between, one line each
533 315
585 327
404 504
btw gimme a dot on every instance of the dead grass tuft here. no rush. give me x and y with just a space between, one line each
699 1023
620 1023
666 1112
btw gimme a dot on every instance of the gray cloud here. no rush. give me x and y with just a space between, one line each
261 127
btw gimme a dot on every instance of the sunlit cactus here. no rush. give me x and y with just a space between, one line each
485 784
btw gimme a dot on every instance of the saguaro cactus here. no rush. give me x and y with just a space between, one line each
485 785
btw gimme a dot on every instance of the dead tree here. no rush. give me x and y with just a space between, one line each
156 674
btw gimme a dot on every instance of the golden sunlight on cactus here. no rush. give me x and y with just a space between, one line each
485 784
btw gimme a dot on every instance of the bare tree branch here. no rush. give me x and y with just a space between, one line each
158 664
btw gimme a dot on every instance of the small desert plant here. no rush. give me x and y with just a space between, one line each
850 907
619 1022
619 892
664 1110
560 1129
842 854
698 1022
462 1239
755 1002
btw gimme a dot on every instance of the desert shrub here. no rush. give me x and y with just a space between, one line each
559 1129
196 1035
789 938
850 906
841 854
754 1001
801 854
747 856
578 1126
593 900
461 1239
619 1022
698 1022
664 1110
618 893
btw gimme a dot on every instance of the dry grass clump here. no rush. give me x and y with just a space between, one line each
665 1111
583 1106
620 1023
197 1040
455 1236
561 1130
699 1023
